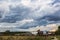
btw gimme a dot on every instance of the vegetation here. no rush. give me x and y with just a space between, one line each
37 37
25 37
58 31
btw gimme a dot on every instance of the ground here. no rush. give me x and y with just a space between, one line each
29 37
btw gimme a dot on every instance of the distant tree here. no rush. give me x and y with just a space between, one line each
58 31
7 31
59 27
38 32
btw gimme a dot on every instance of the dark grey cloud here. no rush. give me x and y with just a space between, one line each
53 17
33 24
16 14
56 1
1 0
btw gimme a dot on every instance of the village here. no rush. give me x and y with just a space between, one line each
26 33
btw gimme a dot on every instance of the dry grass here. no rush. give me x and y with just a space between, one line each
25 38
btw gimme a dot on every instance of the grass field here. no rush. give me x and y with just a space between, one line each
27 37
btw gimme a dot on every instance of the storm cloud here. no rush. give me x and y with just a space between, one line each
24 14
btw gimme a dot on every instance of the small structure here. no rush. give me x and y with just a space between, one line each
39 33
51 33
45 33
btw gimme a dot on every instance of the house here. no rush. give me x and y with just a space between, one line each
39 33
45 33
51 32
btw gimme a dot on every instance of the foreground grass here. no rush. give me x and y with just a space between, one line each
58 37
27 37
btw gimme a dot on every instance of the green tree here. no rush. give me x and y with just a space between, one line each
58 31
7 32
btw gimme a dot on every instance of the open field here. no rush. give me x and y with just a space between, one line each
27 37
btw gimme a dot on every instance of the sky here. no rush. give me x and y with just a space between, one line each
21 15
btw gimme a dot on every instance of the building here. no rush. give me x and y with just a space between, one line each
39 33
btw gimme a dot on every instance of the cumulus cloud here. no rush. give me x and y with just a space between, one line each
18 23
48 27
38 7
28 13
14 26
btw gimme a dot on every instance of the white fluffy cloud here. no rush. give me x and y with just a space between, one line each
41 7
4 9
49 27
38 7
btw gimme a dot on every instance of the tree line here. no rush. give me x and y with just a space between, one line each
58 31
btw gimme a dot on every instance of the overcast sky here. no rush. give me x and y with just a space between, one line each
29 14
